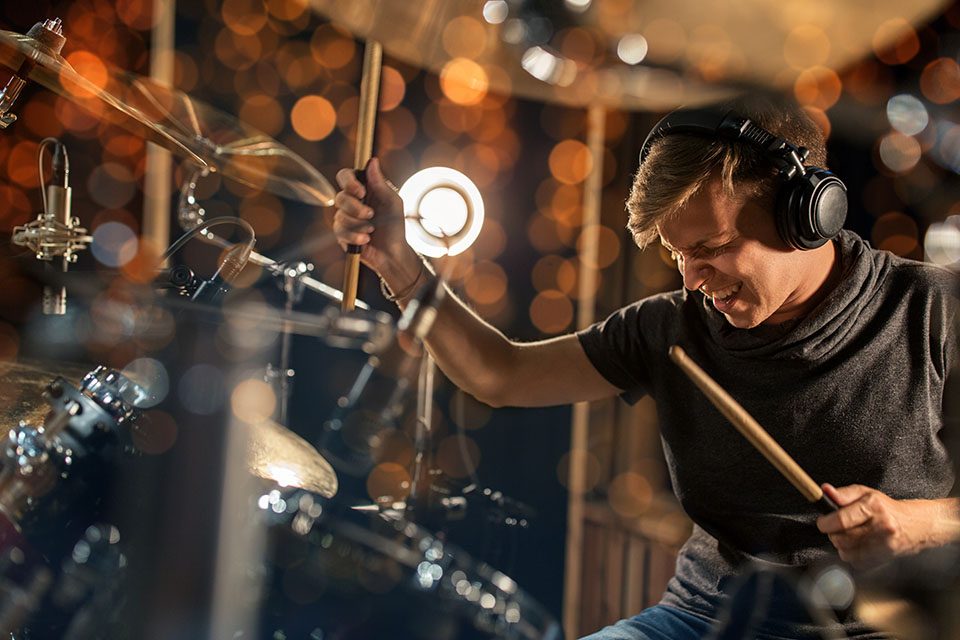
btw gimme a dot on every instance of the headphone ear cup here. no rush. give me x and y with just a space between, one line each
811 209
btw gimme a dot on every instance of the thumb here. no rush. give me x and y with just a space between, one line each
844 495
375 177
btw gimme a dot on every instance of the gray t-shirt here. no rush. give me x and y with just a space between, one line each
853 391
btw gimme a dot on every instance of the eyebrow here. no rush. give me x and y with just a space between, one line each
731 236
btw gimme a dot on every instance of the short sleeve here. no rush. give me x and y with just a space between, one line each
621 346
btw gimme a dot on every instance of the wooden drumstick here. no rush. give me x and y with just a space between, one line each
366 122
753 432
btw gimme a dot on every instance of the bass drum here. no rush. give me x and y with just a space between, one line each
369 575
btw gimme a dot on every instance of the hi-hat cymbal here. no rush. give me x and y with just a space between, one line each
22 385
170 118
275 453
691 51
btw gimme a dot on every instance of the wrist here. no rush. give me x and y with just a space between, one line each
399 273
404 277
946 524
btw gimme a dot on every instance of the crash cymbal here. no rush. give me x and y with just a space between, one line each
22 385
189 128
226 144
690 51
275 453
50 70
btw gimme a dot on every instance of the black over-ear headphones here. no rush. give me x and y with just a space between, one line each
811 203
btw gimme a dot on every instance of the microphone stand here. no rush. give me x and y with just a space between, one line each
190 214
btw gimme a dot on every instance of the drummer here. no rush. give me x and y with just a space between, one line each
838 349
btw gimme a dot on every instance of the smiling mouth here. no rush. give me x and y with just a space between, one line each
723 295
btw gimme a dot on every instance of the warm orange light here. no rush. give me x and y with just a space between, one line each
136 14
313 118
488 283
244 17
464 37
630 494
287 9
940 81
608 247
820 117
551 311
570 161
22 164
388 482
262 112
896 232
392 88
333 47
91 68
896 42
818 86
464 81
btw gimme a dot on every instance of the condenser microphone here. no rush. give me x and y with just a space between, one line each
213 288
54 301
49 35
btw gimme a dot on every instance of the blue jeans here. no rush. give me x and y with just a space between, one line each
660 622
759 605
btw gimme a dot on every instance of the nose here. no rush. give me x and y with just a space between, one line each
695 272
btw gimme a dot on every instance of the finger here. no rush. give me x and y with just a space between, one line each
351 206
344 224
853 538
845 495
347 179
848 517
376 180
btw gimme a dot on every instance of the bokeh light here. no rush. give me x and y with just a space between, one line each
630 494
551 311
941 243
940 81
114 244
313 118
907 114
253 400
202 389
899 153
464 81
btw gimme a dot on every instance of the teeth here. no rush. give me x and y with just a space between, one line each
723 294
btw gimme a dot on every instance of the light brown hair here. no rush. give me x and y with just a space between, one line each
677 166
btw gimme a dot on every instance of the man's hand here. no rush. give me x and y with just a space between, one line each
377 225
871 527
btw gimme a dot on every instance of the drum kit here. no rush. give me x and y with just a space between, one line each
331 565
328 566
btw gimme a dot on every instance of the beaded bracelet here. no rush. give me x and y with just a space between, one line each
408 291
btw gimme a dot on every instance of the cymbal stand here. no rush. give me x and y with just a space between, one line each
422 457
190 214
293 274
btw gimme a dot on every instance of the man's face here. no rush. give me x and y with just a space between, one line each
729 249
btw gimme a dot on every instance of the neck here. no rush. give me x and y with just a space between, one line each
822 272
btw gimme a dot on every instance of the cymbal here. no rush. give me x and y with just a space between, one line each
53 72
275 453
188 127
22 385
226 144
693 51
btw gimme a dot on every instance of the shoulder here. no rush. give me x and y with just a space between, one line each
921 277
